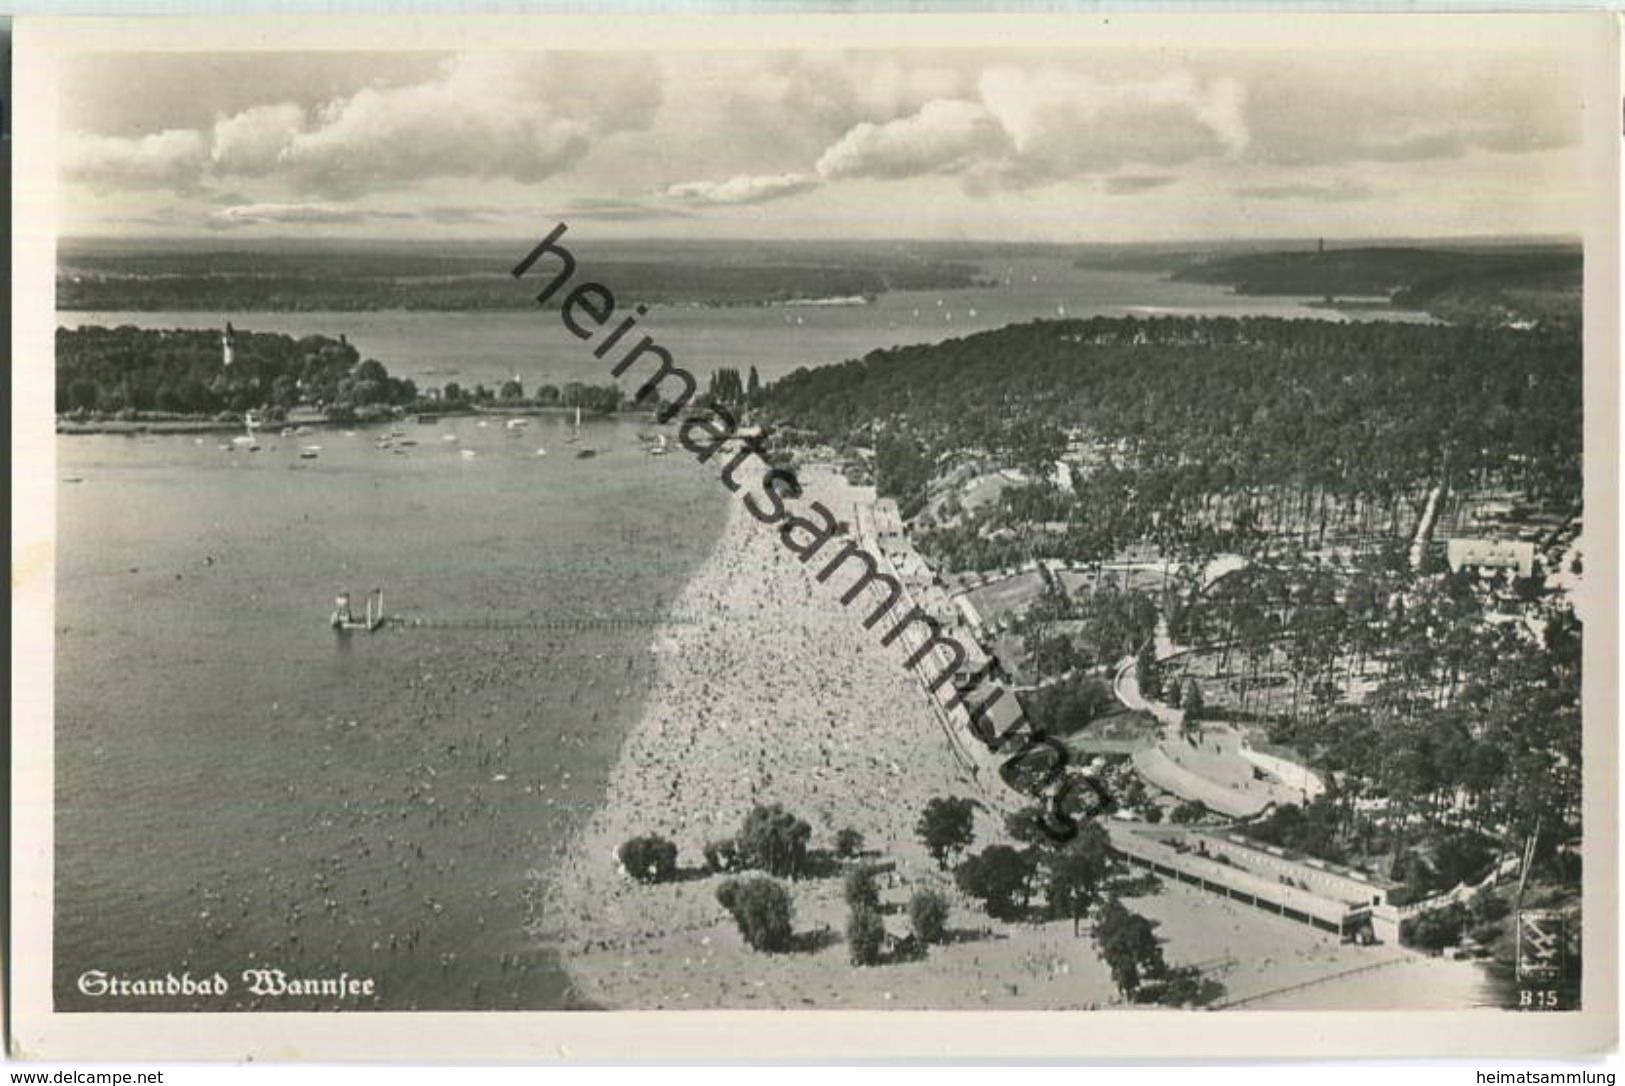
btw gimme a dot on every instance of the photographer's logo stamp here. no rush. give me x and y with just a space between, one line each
1540 945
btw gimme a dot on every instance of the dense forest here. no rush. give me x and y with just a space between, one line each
130 372
109 370
1495 284
347 280
1196 430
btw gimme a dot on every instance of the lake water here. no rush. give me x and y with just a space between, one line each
239 786
489 348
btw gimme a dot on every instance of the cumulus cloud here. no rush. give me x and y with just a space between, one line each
743 189
520 117
1065 123
512 116
945 135
251 143
169 159
1023 126
836 90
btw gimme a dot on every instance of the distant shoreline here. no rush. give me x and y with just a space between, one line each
217 426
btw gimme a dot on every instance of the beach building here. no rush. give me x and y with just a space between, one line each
1491 554
1304 889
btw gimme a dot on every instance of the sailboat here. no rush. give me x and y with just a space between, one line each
575 431
659 446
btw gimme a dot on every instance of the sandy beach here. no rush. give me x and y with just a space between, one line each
768 690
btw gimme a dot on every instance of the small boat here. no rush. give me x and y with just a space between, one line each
541 452
303 431
515 424
448 437
469 454
483 423
287 431
584 454
344 619
424 420
73 479
307 455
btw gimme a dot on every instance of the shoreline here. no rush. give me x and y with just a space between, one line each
705 749
212 425
767 690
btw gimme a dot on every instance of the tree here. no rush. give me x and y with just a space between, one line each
761 908
1188 812
860 888
371 370
511 390
284 391
1128 944
774 840
1076 873
928 916
648 859
848 842
1065 707
753 387
865 934
1191 699
1149 672
1437 929
1027 825
721 856
997 876
947 826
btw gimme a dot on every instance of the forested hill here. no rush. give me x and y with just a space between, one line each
101 276
1528 283
108 370
1197 405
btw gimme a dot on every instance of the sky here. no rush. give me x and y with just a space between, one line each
1064 145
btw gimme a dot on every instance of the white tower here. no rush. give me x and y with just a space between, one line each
226 345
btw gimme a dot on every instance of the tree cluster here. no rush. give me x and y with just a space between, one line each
181 371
